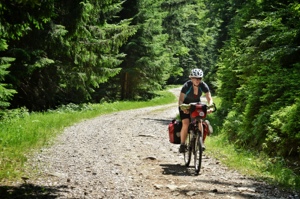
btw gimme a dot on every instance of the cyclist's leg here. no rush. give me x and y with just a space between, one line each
184 130
200 126
185 119
183 134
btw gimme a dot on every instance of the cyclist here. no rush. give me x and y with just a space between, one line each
191 92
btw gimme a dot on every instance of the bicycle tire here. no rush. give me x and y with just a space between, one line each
188 152
198 154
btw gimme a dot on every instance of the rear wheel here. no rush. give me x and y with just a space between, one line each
188 152
198 154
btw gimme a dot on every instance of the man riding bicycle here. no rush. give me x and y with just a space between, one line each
191 92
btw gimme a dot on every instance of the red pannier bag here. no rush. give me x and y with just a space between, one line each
174 131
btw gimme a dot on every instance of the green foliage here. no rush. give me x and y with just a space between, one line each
190 38
5 92
258 77
13 114
72 108
283 135
257 164
82 51
94 48
227 76
146 66
64 51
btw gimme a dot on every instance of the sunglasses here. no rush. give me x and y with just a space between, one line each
197 78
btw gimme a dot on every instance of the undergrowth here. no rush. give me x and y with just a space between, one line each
274 170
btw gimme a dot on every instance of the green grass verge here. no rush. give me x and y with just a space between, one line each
25 133
253 164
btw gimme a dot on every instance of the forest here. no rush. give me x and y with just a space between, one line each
56 52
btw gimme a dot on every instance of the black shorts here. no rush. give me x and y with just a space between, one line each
183 115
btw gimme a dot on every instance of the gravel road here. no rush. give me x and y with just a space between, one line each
128 155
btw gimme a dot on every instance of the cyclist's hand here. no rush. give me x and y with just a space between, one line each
209 111
185 108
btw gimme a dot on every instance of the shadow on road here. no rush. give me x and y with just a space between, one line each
162 121
177 170
215 187
221 194
29 191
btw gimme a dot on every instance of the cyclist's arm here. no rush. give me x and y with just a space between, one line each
180 101
181 98
209 98
209 101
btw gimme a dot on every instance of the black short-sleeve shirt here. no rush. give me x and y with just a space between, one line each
188 90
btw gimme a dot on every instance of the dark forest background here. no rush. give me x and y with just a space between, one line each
55 52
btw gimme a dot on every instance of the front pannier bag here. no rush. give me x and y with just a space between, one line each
174 131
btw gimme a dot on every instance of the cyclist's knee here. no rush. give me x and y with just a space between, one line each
185 122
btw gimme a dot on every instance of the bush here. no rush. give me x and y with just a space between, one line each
8 115
283 135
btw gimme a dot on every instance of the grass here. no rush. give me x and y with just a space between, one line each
25 133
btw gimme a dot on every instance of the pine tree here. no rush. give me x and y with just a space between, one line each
63 50
146 66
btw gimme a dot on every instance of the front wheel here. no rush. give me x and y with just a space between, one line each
198 154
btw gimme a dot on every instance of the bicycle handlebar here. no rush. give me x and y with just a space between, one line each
187 106
213 106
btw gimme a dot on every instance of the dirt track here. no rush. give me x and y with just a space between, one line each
128 155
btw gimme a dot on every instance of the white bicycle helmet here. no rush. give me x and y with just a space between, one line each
196 73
